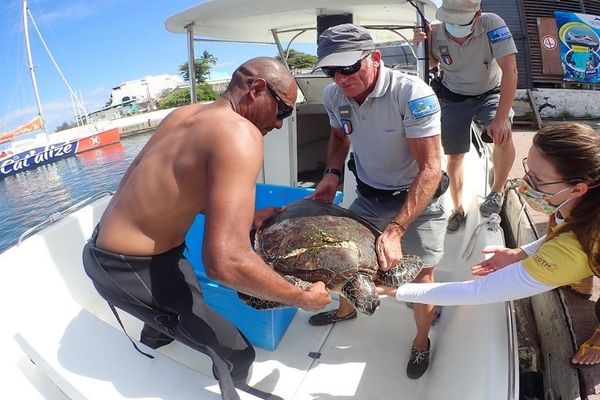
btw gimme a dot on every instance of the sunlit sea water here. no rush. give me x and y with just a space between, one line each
30 197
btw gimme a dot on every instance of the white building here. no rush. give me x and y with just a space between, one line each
148 88
131 97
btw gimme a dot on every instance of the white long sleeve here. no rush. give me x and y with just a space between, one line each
531 248
509 283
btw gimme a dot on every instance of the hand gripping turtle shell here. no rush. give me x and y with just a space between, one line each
314 241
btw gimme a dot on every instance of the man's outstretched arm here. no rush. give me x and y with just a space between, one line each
232 170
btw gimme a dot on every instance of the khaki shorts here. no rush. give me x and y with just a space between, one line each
457 117
424 237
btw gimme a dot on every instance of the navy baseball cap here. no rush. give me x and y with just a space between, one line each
342 45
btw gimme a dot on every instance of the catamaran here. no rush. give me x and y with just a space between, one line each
61 341
23 154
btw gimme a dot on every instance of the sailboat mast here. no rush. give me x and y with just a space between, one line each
31 67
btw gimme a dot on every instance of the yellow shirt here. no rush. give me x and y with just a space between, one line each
559 261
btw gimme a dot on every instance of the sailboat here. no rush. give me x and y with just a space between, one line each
25 154
77 349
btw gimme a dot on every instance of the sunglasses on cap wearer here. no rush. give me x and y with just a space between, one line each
284 110
347 70
535 185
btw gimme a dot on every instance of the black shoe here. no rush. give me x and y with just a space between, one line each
419 362
329 317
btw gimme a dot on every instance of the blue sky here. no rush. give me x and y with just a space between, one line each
98 45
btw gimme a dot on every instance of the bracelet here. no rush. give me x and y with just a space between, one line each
398 224
333 171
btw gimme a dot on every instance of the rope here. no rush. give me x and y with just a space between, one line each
511 184
493 224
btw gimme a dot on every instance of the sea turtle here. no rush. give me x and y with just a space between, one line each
316 241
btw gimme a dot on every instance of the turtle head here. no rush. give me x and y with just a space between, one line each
362 293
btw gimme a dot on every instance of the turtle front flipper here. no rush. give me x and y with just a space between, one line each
261 304
297 282
406 271
361 291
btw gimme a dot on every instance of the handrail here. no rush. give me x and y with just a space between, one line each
513 351
476 132
61 214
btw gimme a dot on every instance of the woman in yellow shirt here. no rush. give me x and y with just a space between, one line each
562 179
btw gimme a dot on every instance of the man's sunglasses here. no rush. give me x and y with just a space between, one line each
347 70
284 110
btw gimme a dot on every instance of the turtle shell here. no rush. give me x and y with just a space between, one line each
318 241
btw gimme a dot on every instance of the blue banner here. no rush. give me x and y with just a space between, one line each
579 36
36 157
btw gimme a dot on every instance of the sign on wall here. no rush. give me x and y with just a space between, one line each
549 48
579 36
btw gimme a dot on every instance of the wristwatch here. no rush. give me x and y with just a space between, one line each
334 171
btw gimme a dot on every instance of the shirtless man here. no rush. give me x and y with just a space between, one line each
204 158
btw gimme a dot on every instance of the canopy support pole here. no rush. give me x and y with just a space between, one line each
191 62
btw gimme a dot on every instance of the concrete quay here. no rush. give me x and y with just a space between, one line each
134 124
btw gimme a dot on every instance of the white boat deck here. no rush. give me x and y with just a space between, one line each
53 316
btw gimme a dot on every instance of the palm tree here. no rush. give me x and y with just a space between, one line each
202 67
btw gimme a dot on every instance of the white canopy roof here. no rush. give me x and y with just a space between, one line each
252 20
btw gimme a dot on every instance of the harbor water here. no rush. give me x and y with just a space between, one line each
30 197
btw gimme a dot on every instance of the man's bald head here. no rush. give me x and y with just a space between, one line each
271 70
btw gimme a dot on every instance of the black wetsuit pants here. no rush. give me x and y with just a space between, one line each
163 291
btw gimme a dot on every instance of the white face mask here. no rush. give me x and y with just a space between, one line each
458 31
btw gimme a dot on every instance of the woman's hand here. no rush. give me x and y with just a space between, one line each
384 290
501 258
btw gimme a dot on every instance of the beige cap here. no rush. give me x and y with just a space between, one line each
459 12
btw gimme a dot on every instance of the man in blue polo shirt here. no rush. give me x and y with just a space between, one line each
392 121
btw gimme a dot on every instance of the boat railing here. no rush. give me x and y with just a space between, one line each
484 151
513 350
57 216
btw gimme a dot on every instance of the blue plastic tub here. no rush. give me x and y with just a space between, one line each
263 328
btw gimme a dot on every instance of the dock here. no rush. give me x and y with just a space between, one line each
134 124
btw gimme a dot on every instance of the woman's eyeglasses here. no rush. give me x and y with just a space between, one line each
535 185
284 110
347 70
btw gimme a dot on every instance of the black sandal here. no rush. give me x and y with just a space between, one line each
329 317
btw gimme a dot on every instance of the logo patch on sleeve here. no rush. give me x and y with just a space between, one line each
424 106
500 34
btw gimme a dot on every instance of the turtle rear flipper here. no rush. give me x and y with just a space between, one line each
361 291
257 303
406 271
261 304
